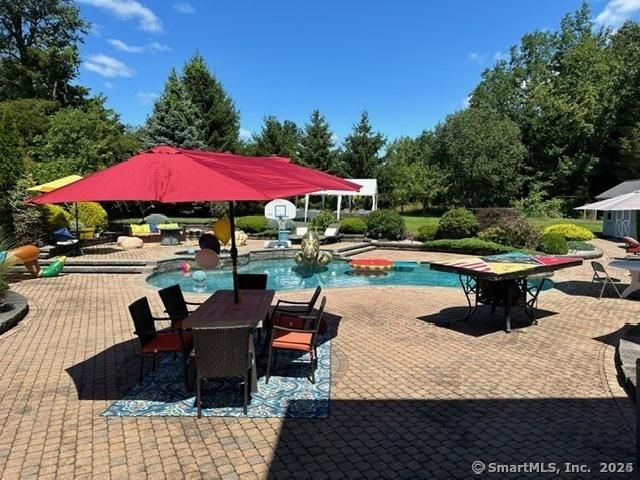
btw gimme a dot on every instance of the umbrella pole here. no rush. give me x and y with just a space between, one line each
234 253
77 245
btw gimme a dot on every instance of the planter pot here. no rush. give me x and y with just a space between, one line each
5 306
87 233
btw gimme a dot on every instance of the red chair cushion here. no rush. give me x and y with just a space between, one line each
292 341
167 342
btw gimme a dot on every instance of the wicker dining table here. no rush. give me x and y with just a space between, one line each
220 311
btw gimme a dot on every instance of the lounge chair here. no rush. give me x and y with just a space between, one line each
300 231
67 241
631 245
331 234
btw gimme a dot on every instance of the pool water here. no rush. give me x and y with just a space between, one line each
287 275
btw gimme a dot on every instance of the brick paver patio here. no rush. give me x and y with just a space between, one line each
410 398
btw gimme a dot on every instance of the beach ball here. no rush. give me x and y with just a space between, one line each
199 278
210 242
207 259
185 268
222 229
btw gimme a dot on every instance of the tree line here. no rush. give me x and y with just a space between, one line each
558 119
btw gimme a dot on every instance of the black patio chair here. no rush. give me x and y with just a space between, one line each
154 341
252 281
175 305
222 353
298 339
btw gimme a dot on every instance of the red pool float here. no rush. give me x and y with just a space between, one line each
371 264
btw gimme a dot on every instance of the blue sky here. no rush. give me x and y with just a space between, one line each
409 63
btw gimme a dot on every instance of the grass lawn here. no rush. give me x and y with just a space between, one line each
413 223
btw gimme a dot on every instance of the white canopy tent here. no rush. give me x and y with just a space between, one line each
628 201
621 218
369 189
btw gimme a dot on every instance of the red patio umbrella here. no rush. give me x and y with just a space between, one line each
172 175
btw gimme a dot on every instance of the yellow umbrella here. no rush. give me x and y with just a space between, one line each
54 185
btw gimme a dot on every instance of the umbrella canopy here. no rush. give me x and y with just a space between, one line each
55 184
173 175
627 201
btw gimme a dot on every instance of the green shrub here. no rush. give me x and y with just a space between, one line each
570 231
29 221
537 205
386 224
157 219
427 232
521 233
56 217
553 243
579 245
473 246
92 215
458 223
494 234
353 225
322 220
252 224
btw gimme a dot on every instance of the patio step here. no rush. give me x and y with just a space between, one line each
352 250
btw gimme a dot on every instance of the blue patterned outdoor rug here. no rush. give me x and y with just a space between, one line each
289 393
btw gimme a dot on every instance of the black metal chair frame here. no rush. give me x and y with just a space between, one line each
146 331
222 353
312 325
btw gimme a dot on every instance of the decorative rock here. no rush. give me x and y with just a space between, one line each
241 238
129 243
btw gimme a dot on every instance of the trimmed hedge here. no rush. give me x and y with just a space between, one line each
252 223
353 226
91 215
570 231
56 217
427 232
474 246
385 224
579 245
553 243
458 223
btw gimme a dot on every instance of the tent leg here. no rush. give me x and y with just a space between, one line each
234 252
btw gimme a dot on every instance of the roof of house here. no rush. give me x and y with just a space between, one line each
625 187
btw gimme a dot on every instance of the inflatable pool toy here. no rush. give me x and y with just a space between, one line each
26 255
222 230
371 264
199 278
53 269
207 259
209 241
310 253
191 251
185 268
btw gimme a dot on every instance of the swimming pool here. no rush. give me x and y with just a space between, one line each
285 274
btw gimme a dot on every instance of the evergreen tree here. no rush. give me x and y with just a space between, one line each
220 118
175 119
277 138
360 157
316 145
11 166
39 55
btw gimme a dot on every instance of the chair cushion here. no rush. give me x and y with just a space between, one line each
140 229
292 341
167 342
331 232
302 231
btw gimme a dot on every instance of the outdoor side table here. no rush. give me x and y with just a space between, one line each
633 266
169 236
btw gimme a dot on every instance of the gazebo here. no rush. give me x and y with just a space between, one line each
369 189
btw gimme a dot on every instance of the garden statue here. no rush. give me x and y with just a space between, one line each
310 254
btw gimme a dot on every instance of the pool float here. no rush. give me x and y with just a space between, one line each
53 269
26 255
185 268
310 253
371 264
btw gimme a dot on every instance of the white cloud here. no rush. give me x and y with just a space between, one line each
151 47
478 58
466 102
616 12
109 85
245 134
146 98
127 9
108 67
184 7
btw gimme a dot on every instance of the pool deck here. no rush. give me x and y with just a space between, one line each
410 398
